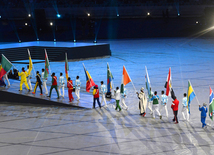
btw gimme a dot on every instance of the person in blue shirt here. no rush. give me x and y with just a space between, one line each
155 106
185 109
77 88
103 93
203 114
164 100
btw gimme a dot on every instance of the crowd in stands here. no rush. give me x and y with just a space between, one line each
98 3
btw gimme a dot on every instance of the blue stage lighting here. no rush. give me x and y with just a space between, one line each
20 41
29 15
118 15
54 40
0 16
58 15
75 41
178 14
37 39
95 41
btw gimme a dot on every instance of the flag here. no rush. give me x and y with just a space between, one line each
66 66
211 104
148 85
5 66
46 65
190 95
89 81
109 79
168 86
125 80
30 63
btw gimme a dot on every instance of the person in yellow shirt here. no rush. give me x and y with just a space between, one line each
23 75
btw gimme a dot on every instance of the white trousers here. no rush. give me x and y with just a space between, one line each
150 106
77 93
103 99
63 91
123 103
29 83
45 86
185 110
165 107
155 107
6 78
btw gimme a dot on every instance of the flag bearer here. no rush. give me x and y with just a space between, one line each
62 85
70 89
150 101
184 108
29 77
123 98
164 100
117 98
142 102
103 93
77 87
155 106
54 85
38 83
44 80
96 96
203 114
174 107
23 75
6 78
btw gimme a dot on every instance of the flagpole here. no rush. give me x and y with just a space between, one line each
195 93
48 61
9 61
112 79
32 62
131 80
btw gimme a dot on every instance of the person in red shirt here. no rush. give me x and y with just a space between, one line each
174 107
96 96
54 85
70 89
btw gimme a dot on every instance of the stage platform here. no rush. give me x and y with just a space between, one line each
56 50
13 95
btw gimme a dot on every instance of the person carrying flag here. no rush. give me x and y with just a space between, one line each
5 77
174 107
96 96
155 106
44 80
123 98
203 110
117 98
28 78
150 101
54 85
142 102
23 76
77 88
70 89
164 100
62 85
103 93
38 83
184 108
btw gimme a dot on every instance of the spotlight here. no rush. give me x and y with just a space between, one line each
54 40
51 23
75 41
58 15
20 41
89 14
37 39
196 22
95 41
25 24
118 15
148 13
29 15
178 14
0 16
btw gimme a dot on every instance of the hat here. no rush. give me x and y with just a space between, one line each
142 89
96 86
204 104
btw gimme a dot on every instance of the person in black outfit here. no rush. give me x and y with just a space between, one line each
38 83
15 74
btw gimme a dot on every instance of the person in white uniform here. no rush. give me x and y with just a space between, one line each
155 105
6 78
123 98
184 108
29 77
103 93
61 85
150 102
77 87
44 81
164 100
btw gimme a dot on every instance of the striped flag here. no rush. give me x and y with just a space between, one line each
168 85
30 63
125 80
190 95
46 65
148 85
211 104
5 66
66 66
109 79
89 81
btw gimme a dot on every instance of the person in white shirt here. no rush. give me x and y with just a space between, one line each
150 103
164 100
123 97
77 87
29 77
44 81
6 78
61 85
103 93
117 98
184 108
